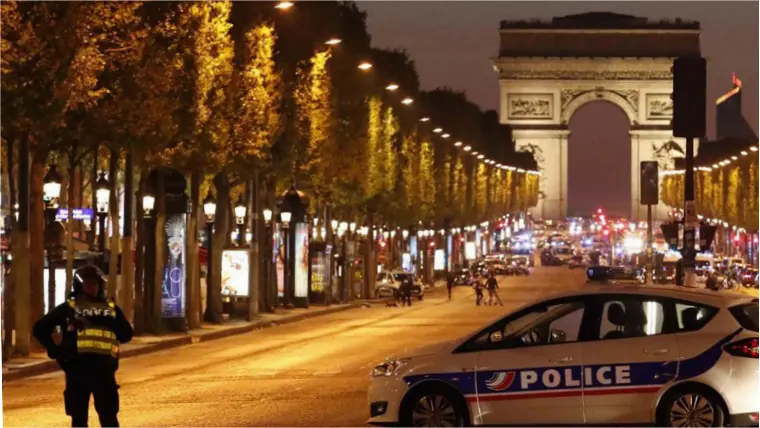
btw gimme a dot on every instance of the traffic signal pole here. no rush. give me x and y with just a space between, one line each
690 218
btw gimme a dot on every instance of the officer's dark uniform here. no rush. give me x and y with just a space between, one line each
92 329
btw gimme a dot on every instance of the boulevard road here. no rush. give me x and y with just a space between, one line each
310 373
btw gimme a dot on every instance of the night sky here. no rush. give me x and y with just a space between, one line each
451 43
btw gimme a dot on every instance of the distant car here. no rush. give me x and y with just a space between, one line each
463 277
388 283
749 277
499 268
604 355
616 274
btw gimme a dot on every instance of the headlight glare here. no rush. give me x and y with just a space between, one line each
387 368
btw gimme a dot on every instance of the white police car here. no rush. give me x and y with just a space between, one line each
603 355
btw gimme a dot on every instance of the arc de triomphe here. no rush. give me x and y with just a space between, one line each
547 70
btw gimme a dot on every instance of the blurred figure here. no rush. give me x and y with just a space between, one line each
493 290
478 286
405 289
449 283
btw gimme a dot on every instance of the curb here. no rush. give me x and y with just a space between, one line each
50 366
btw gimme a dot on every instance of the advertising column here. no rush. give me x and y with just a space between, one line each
235 273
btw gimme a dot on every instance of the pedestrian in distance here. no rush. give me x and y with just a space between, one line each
406 292
83 335
478 286
493 290
449 283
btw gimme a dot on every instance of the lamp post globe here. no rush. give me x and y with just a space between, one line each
148 203
102 193
240 210
51 186
267 215
209 208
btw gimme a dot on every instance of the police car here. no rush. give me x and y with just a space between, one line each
611 354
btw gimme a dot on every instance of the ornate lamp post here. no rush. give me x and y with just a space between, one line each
295 204
285 220
240 210
102 194
51 187
209 208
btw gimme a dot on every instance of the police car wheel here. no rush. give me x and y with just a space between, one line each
432 408
691 408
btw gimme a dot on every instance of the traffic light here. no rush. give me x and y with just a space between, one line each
670 231
706 236
689 97
649 183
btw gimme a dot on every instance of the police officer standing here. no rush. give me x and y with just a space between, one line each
83 335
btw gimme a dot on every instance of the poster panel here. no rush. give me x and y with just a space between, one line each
235 271
469 251
278 244
318 271
302 260
438 261
173 287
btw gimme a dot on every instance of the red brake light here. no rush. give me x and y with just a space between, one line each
747 348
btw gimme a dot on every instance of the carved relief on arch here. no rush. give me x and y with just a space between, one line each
573 99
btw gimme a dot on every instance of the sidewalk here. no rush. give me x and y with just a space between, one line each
39 363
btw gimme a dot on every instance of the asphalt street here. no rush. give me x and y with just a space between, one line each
310 373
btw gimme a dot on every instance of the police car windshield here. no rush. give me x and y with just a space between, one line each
520 326
402 276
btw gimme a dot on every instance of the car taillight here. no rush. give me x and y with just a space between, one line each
743 348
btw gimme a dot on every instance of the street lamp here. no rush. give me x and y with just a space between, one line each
102 193
209 208
51 187
333 41
240 210
364 66
284 5
407 101
267 215
392 87
149 201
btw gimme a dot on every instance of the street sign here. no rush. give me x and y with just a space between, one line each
689 250
690 214
649 183
78 214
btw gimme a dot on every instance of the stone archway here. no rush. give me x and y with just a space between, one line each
548 70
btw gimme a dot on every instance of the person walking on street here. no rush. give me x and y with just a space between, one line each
478 285
449 283
83 335
406 292
493 290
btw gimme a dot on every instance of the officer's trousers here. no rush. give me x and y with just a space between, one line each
105 392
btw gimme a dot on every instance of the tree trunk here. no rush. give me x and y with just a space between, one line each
126 292
70 221
254 205
218 242
142 230
36 238
93 198
21 256
370 267
193 283
154 320
113 211
268 283
8 291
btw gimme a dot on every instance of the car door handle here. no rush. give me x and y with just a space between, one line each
656 351
560 360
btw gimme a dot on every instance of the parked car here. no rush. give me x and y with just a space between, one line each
749 277
698 367
388 283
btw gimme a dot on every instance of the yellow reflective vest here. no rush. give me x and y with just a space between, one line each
96 339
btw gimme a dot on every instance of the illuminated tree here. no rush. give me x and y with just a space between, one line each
314 100
375 180
427 180
481 191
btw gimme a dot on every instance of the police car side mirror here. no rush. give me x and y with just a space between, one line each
495 337
558 336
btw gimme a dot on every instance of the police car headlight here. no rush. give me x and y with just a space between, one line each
388 368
